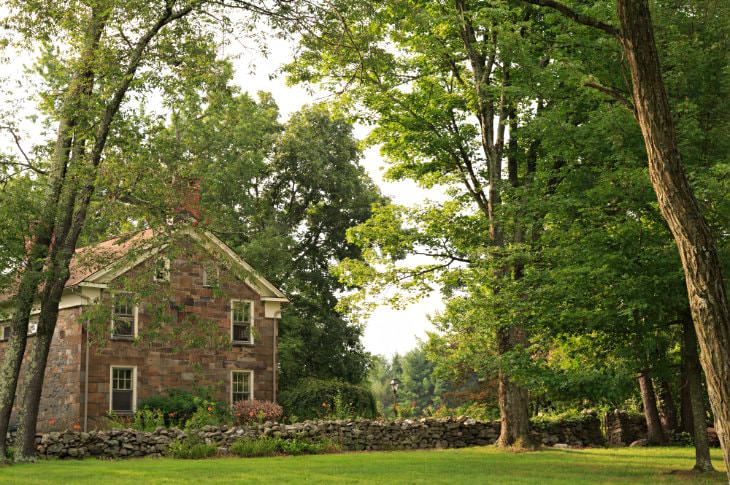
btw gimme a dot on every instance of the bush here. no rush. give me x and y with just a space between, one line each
209 413
192 448
267 446
248 412
264 446
143 420
177 406
474 410
317 398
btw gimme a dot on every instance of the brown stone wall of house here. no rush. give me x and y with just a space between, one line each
162 363
61 400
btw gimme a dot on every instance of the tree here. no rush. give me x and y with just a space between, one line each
103 62
692 234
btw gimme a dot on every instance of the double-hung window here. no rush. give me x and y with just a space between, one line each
124 316
4 332
241 385
242 321
123 397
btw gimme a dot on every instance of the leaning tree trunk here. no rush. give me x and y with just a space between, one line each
697 249
667 409
77 207
703 462
655 433
28 288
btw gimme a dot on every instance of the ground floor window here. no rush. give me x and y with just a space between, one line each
123 389
241 385
4 332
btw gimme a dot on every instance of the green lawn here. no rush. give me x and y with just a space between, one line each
485 465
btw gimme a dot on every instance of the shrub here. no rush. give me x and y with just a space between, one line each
191 448
142 420
209 413
263 446
474 410
267 446
316 398
247 412
177 406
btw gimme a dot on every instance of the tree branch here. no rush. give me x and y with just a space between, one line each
577 16
614 93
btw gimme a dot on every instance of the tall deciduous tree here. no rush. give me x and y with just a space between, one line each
107 46
694 239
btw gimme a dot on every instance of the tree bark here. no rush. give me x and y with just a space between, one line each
655 433
703 462
513 399
697 248
667 409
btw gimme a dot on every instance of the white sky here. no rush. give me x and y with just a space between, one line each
387 331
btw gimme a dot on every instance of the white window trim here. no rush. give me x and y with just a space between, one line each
135 325
218 276
250 380
253 322
33 322
134 385
166 279
4 333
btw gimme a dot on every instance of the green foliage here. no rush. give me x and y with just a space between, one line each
142 420
317 398
208 413
177 407
268 446
474 410
191 447
567 417
263 446
420 391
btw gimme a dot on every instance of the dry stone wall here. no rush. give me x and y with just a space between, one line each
353 435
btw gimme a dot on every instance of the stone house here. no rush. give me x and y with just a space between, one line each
149 312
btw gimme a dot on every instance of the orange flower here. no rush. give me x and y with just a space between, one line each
77 427
210 409
52 422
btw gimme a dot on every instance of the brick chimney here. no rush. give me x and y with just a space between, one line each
188 191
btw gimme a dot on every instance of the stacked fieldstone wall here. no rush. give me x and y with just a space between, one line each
352 435
623 428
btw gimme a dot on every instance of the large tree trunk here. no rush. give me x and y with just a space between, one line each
655 433
30 279
667 409
513 399
703 462
697 249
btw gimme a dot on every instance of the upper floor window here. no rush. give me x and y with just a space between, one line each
242 321
211 276
162 269
241 385
124 316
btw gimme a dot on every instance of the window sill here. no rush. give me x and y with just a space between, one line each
242 343
124 414
123 338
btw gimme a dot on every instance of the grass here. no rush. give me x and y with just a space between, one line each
485 465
